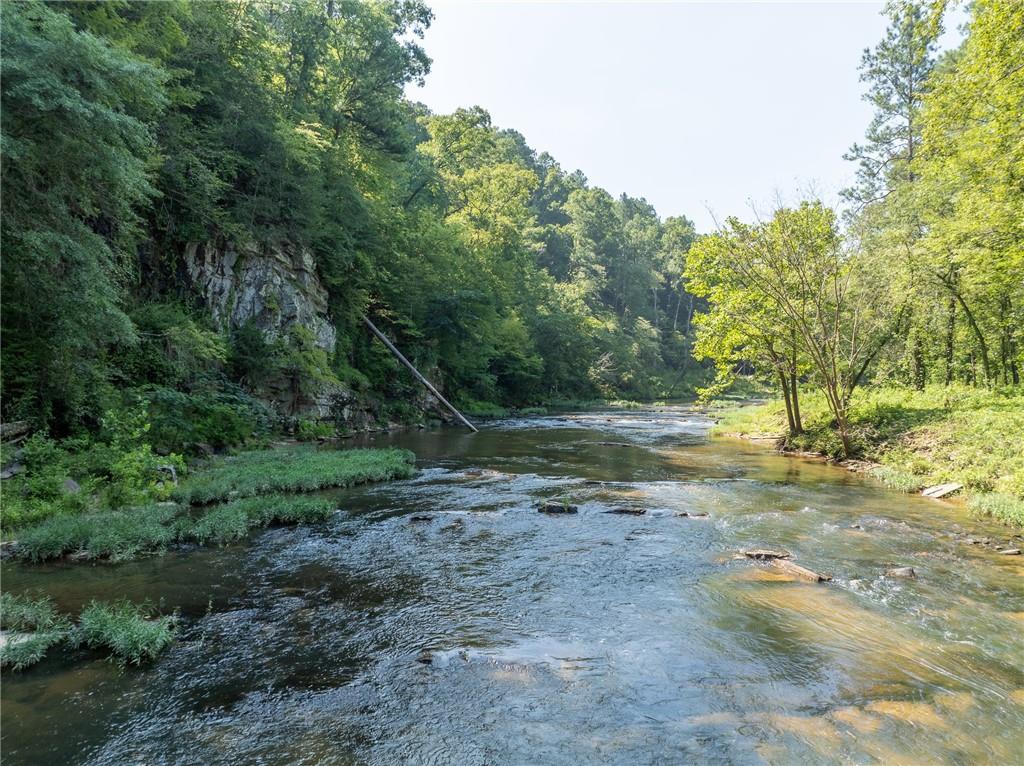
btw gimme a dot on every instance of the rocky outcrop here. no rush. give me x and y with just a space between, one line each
276 288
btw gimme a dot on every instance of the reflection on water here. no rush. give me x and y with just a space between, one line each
490 633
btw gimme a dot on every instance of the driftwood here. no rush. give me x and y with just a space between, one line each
764 554
798 571
941 490
430 386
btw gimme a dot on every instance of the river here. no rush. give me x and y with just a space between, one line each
494 634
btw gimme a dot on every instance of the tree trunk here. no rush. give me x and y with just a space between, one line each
917 358
982 346
950 338
797 422
789 403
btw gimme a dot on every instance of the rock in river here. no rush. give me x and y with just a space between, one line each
904 572
629 511
552 506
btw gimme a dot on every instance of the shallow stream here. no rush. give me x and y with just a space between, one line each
494 634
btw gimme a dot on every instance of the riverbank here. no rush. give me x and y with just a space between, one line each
916 439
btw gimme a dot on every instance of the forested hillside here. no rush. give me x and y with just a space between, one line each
201 199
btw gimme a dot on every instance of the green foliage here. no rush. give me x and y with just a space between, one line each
76 145
130 632
307 430
224 417
999 506
301 469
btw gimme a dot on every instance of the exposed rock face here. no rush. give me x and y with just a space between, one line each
277 288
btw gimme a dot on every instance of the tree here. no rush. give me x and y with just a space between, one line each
794 267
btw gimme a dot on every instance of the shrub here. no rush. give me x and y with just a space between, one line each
130 632
311 430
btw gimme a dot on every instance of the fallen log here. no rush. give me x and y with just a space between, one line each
798 571
430 386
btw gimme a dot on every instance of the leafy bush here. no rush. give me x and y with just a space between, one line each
302 469
225 417
311 430
130 632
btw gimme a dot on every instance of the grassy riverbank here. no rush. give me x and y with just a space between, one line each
219 502
919 438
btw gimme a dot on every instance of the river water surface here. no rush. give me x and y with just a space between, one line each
494 634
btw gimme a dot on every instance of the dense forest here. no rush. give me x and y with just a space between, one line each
134 133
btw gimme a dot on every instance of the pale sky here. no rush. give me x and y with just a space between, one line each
695 106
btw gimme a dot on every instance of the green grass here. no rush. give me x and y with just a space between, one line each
115 535
232 521
473 408
999 506
122 535
39 625
921 438
301 469
131 633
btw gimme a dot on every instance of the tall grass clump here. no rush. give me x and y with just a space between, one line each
301 469
232 521
129 631
999 506
116 535
33 626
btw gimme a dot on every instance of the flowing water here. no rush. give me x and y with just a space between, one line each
494 634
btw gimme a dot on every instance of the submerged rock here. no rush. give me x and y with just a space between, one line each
628 511
552 507
421 518
907 573
764 554
692 515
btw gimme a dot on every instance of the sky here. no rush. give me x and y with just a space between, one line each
702 108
